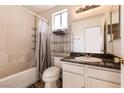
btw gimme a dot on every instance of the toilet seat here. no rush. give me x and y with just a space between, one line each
51 71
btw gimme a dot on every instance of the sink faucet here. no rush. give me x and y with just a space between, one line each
87 55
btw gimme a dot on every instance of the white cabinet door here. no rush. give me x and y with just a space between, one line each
71 80
95 83
104 74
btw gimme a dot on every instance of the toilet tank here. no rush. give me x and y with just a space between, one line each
57 61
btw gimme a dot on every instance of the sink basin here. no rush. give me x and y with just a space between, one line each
89 59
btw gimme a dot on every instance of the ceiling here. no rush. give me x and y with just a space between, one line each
38 8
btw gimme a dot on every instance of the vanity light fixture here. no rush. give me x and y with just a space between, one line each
85 8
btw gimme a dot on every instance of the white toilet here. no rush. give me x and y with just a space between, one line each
52 74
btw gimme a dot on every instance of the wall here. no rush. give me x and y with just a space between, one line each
16 44
122 31
122 45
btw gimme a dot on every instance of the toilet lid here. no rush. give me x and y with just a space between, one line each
52 71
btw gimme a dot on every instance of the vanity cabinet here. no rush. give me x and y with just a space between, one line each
79 76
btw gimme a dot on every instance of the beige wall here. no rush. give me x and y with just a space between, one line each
16 43
122 45
122 31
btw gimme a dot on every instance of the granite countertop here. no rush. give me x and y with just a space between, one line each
106 63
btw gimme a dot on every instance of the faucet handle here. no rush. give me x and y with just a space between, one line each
90 55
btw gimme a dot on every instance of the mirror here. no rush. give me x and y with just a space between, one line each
83 29
113 31
101 23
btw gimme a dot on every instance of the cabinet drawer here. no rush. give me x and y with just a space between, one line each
74 68
106 75
71 80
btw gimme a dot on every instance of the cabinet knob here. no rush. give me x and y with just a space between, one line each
122 60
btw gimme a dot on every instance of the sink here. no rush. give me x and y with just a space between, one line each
88 59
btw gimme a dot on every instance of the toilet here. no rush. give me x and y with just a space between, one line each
52 74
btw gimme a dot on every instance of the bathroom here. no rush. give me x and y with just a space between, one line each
61 46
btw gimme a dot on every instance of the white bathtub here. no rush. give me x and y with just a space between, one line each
19 80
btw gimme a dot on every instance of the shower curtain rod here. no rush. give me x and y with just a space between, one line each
35 14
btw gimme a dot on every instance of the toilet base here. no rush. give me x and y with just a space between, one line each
51 84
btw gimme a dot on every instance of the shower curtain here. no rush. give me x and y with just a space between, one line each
42 48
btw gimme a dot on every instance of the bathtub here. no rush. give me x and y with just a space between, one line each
20 79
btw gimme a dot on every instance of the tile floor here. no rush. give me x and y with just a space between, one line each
40 84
